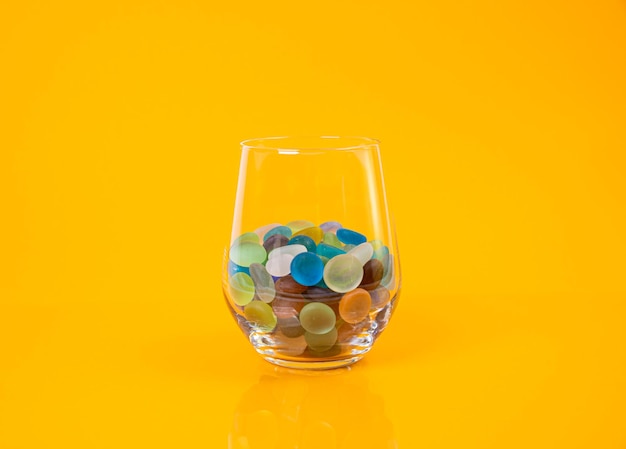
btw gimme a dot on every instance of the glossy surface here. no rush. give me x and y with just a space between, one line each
503 129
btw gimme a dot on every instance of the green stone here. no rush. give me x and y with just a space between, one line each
321 342
343 273
246 253
263 282
332 240
317 318
241 288
261 315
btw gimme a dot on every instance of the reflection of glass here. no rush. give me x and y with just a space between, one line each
311 274
317 411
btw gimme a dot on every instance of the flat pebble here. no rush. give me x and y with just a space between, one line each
279 265
321 342
315 233
363 252
287 346
354 306
261 315
381 252
380 298
348 236
325 296
283 230
264 229
234 268
288 304
290 326
287 284
317 318
303 240
241 288
347 331
328 251
246 253
263 282
275 241
292 250
246 237
373 272
330 226
388 279
307 269
298 225
332 240
343 273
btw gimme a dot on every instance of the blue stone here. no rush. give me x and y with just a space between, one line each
328 250
307 269
350 237
283 230
234 268
305 240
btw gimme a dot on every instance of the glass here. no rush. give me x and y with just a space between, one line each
311 274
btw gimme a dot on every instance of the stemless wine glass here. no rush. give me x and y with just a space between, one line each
312 273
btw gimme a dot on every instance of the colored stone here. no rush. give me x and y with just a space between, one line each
343 273
381 252
234 268
373 272
330 226
287 284
317 318
290 326
332 240
348 247
323 295
321 342
292 250
246 253
377 244
286 305
260 315
264 229
275 241
350 237
246 237
328 251
307 269
287 346
304 240
388 279
347 331
298 225
354 306
283 230
315 233
363 252
263 282
241 288
279 265
380 298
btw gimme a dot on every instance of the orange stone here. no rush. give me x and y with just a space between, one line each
355 305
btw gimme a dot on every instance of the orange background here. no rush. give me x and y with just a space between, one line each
503 137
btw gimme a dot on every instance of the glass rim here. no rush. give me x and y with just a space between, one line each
274 143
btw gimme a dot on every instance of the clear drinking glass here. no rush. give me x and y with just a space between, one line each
311 274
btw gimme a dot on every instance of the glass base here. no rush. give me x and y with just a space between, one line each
314 365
